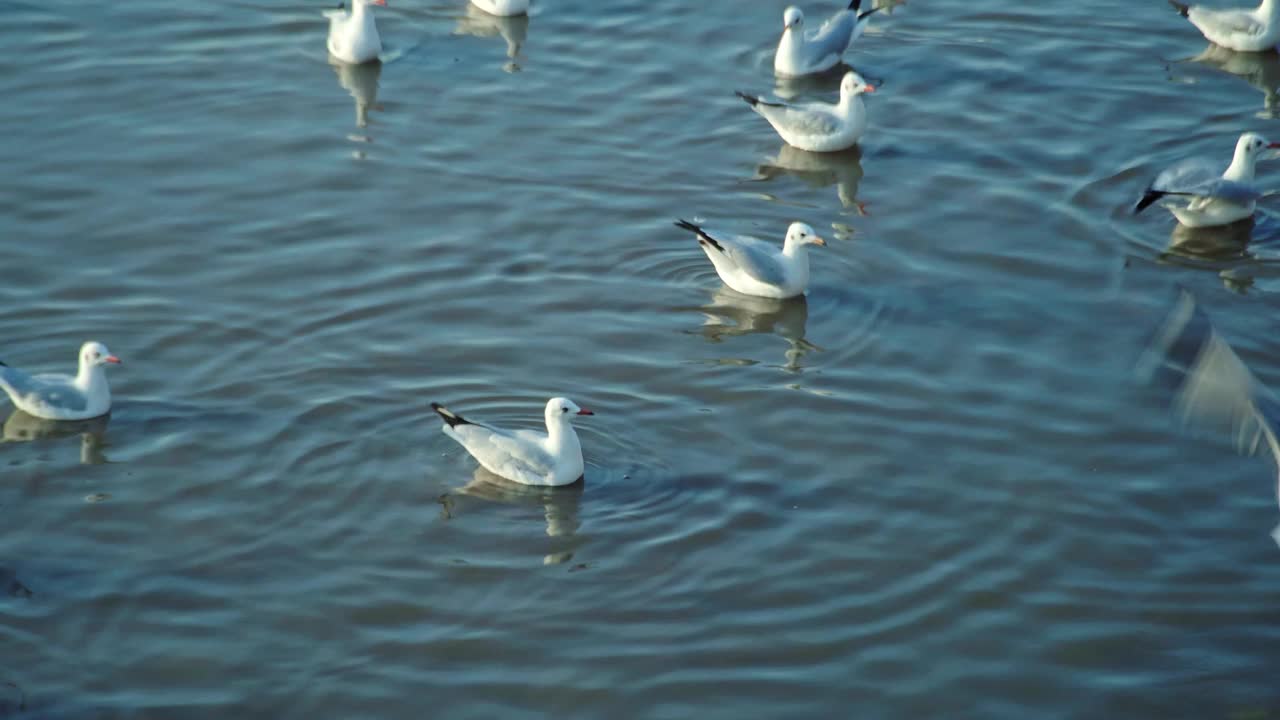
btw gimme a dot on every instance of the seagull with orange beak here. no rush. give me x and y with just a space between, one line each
63 397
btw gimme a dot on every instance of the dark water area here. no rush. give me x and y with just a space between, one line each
931 488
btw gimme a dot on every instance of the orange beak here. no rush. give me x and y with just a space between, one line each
112 359
585 412
869 89
819 241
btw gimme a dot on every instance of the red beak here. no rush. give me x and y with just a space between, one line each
869 88
1274 145
585 412
112 359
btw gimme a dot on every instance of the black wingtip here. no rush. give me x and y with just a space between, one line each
1148 197
3 364
703 237
451 419
869 13
1183 9
752 100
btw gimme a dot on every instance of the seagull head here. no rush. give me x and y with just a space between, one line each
95 354
563 409
853 84
792 18
1252 146
801 234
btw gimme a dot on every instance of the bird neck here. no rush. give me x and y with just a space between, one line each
92 381
561 436
1268 9
789 46
360 12
1241 168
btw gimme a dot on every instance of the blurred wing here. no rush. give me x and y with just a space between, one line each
1200 179
516 456
756 258
53 391
833 37
1211 388
806 120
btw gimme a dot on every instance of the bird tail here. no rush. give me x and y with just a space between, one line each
1148 197
864 15
855 5
450 418
703 237
754 101
3 364
1182 8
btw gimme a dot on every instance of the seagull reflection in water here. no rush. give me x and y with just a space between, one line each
560 505
24 427
731 314
1259 69
842 169
513 29
361 81
1224 242
1210 388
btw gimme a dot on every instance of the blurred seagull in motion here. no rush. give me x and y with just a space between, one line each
353 36
819 127
1216 198
503 8
523 456
805 53
63 397
1209 387
754 267
1254 30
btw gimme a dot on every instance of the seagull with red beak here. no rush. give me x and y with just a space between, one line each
523 456
63 397
1201 196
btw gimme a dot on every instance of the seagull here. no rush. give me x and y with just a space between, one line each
62 397
1216 199
353 36
523 456
754 267
801 53
503 8
819 127
1254 30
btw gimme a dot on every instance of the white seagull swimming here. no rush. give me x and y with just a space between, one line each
755 267
819 127
1216 198
523 456
503 8
63 397
806 53
1255 30
353 36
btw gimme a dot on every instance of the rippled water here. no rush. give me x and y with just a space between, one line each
931 489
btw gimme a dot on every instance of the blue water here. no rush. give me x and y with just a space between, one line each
931 489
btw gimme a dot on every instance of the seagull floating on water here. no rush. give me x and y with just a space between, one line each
819 127
1254 30
1215 198
353 36
63 397
805 53
754 267
504 8
524 456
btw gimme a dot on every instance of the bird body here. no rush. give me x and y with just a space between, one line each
504 8
1256 30
63 397
819 127
754 267
353 36
523 456
806 53
1214 198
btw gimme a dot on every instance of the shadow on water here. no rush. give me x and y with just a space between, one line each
514 30
842 169
1261 70
732 314
561 506
23 427
1223 243
361 81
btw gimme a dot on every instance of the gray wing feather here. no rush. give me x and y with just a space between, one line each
500 448
51 390
1200 179
756 258
804 119
833 37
